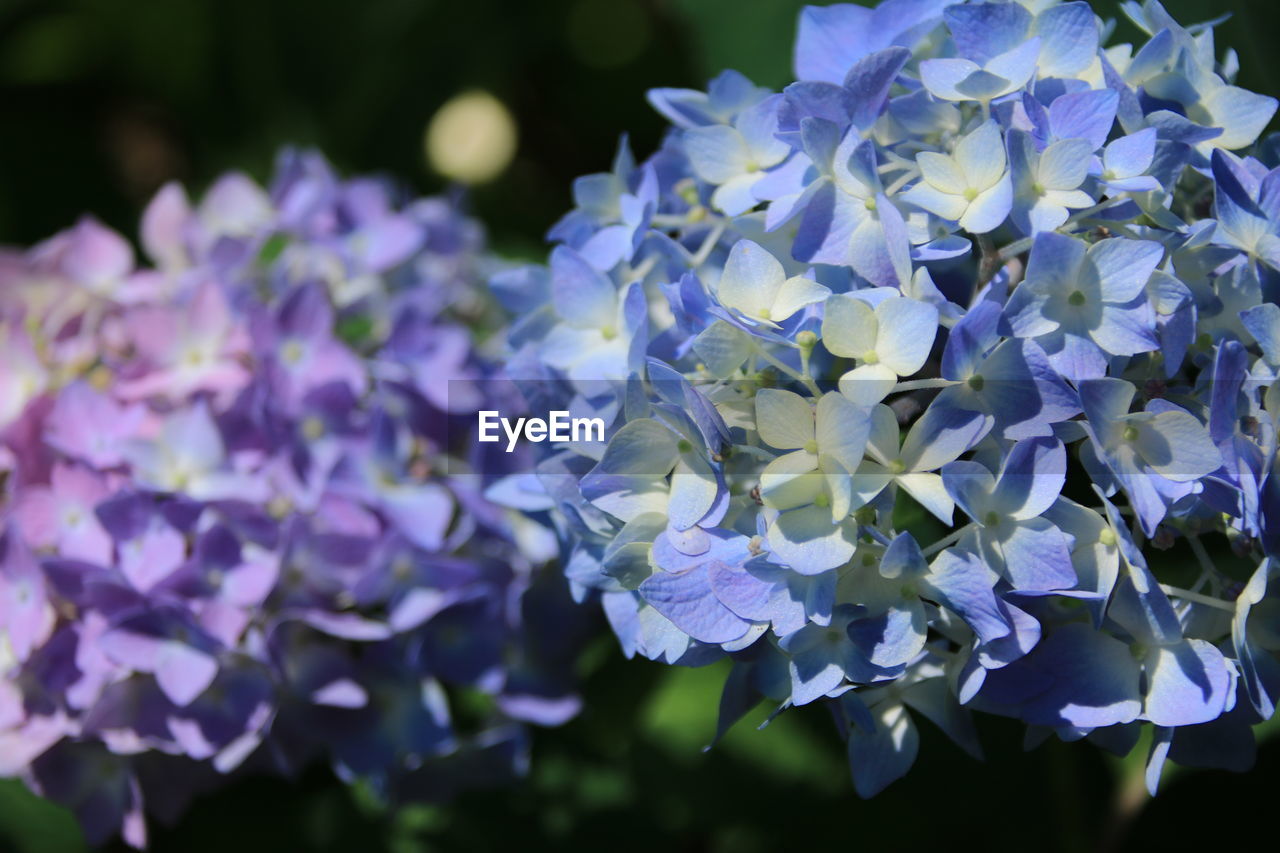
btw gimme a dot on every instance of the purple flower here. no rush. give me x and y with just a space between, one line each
226 529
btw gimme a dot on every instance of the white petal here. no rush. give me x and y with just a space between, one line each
906 332
868 384
849 326
783 419
981 157
751 279
717 153
795 293
941 172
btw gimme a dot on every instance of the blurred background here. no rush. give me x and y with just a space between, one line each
102 101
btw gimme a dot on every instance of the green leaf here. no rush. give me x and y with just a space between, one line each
30 824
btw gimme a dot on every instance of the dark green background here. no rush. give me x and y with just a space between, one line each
103 100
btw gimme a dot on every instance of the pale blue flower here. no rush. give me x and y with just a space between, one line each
965 80
971 186
1048 183
1084 303
890 336
734 157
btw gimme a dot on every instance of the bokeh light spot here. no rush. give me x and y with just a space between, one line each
471 138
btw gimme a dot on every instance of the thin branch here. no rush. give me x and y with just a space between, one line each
922 385
947 541
1019 246
708 245
807 381
1197 598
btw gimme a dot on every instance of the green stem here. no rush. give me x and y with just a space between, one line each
669 220
646 266
708 245
805 353
1207 567
805 380
989 260
1197 598
1116 227
1130 798
947 541
907 176
922 384
1019 246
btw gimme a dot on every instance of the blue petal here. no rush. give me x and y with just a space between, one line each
1161 740
1124 266
985 30
1187 683
1025 403
829 40
1016 65
824 105
903 558
1037 557
970 484
1126 330
758 125
891 638
933 698
1241 114
1069 33
942 77
807 540
883 756
1131 155
1087 115
970 339
942 435
686 598
717 153
990 209
1032 477
759 592
1002 651
582 295
1094 680
1142 608
815 670
962 583
1259 668
1174 127
869 81
1263 322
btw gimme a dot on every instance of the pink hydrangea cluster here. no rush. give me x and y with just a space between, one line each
229 537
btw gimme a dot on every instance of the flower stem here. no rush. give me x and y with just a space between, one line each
708 245
947 541
1019 246
1207 568
804 379
922 384
1197 598
669 220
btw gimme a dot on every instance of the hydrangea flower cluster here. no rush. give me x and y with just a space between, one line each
228 535
942 380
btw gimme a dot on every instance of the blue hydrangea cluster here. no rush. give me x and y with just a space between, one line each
942 380
228 536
